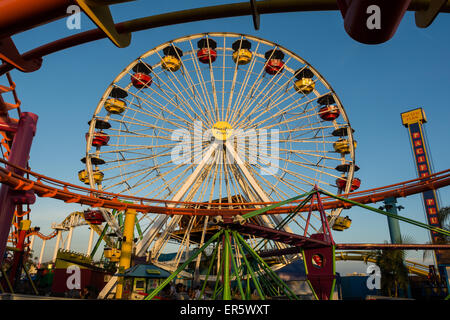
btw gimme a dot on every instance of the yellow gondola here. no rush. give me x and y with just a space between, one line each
170 63
113 254
342 223
172 58
304 85
115 106
343 146
242 56
83 176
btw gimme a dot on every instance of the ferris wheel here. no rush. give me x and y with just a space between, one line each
217 118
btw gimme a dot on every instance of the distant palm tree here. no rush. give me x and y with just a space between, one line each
394 272
444 218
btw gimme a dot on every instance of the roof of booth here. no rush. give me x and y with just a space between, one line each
146 271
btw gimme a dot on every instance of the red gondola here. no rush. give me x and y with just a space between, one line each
341 182
275 62
206 52
329 113
99 139
94 217
141 77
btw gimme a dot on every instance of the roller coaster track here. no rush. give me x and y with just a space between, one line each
413 267
197 14
76 219
48 187
67 223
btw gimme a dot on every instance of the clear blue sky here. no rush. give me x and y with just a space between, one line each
374 83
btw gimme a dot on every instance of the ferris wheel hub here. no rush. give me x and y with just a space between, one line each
222 130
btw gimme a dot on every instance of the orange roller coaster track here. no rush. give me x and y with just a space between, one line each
48 187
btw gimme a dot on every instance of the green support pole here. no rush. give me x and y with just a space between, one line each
276 205
97 244
120 218
209 271
301 205
138 229
236 271
249 293
226 267
217 288
249 268
272 274
266 282
184 265
289 217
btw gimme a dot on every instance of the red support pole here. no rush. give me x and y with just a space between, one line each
319 261
19 155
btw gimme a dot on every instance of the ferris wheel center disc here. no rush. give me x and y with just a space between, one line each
222 130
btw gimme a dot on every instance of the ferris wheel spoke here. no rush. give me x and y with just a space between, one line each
245 188
247 103
294 105
239 187
312 166
300 152
272 188
268 102
160 117
213 85
128 162
142 147
182 187
140 171
233 85
277 160
179 95
147 108
241 93
313 140
196 95
216 170
133 134
305 129
291 186
145 125
159 178
208 105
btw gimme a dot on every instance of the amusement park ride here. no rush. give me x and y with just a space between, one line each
230 213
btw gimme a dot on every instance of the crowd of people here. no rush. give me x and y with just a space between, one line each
179 291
